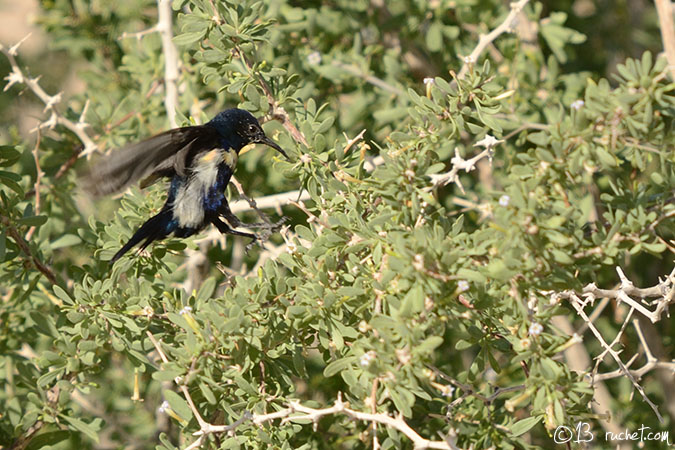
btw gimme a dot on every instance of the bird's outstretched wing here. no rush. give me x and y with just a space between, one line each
164 154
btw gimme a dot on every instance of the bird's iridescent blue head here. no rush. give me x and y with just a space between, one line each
239 128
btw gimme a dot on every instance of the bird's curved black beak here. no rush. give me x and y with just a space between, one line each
269 142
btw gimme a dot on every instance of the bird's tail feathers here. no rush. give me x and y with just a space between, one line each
155 228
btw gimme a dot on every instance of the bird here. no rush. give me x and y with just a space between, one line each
198 160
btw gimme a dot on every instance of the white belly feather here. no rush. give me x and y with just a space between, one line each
188 208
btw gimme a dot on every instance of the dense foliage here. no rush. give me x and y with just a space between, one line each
396 287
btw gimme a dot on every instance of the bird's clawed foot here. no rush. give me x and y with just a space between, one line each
254 241
271 226
266 230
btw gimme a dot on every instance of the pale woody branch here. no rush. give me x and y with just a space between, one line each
165 28
17 76
459 163
663 291
651 364
664 9
297 412
270 201
304 413
487 39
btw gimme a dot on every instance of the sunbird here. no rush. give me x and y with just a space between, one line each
199 161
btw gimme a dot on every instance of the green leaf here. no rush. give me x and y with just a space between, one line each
471 275
605 158
429 345
89 429
44 440
324 126
208 393
45 324
67 240
434 36
63 295
463 345
167 374
338 366
33 221
413 302
524 425
403 400
186 39
178 405
206 290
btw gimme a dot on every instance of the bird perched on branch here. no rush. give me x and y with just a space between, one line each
199 161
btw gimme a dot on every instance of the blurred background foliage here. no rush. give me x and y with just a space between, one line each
405 295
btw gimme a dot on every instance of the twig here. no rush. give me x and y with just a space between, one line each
577 304
139 34
459 163
202 423
313 415
487 39
292 197
23 245
70 162
369 78
50 101
578 360
312 218
664 9
216 14
38 178
373 410
525 126
252 203
165 28
617 338
276 112
664 289
470 391
652 362
352 141
286 415
269 201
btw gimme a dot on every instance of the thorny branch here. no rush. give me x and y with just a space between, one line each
276 112
25 248
664 291
38 179
269 201
651 364
459 163
304 413
627 290
297 412
165 28
487 39
664 10
178 381
50 101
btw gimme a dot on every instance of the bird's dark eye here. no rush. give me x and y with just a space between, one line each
251 128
